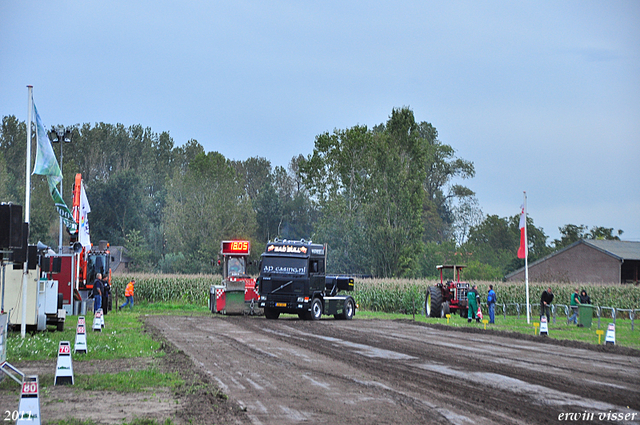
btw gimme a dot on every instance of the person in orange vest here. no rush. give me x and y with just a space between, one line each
128 292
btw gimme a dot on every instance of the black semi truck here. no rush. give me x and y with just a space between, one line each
292 280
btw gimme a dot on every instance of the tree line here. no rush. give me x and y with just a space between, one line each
388 200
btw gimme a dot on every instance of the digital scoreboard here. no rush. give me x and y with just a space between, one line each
235 247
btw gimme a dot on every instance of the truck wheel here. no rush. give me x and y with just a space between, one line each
316 309
433 302
271 314
349 309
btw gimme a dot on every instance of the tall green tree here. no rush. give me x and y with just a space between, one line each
118 207
571 233
336 175
394 208
13 145
495 242
205 205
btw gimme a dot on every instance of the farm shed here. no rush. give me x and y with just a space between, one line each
119 260
587 261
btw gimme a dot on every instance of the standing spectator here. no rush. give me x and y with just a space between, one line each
472 298
584 298
491 302
106 290
575 302
545 303
97 293
128 293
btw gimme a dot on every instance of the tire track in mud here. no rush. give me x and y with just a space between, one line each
293 371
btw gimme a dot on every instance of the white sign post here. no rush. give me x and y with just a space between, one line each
64 370
29 410
80 345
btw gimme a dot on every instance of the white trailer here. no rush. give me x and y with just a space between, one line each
44 304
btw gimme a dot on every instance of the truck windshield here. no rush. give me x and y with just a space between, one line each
284 265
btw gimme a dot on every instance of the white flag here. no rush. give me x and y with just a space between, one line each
83 232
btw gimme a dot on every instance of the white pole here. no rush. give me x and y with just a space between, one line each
27 214
526 256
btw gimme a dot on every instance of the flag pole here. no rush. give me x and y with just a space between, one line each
27 214
526 256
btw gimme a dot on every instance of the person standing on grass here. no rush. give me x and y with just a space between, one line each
575 302
472 298
97 293
128 293
545 303
491 302
106 289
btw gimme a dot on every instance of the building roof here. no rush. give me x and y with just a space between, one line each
621 250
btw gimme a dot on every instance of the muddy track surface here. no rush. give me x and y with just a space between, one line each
373 371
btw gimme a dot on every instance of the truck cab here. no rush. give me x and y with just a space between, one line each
293 280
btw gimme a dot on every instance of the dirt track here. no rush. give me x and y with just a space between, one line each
369 371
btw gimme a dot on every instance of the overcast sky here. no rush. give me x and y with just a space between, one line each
542 96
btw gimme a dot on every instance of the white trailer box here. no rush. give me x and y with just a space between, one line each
13 295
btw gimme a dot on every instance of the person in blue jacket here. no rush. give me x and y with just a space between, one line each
491 302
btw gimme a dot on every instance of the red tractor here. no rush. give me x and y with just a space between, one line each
444 298
237 293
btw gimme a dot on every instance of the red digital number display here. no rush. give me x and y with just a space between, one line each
235 247
30 388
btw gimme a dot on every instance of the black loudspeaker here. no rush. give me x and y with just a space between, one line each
10 226
57 265
45 264
20 254
32 262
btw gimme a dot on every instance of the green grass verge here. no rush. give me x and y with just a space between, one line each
122 337
126 381
624 335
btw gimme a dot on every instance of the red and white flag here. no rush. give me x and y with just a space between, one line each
522 251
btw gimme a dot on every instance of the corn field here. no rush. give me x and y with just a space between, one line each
400 295
191 289
386 295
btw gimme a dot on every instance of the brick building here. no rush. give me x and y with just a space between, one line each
587 261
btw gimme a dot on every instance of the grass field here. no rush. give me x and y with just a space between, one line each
624 335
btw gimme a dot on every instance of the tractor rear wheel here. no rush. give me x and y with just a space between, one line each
433 302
